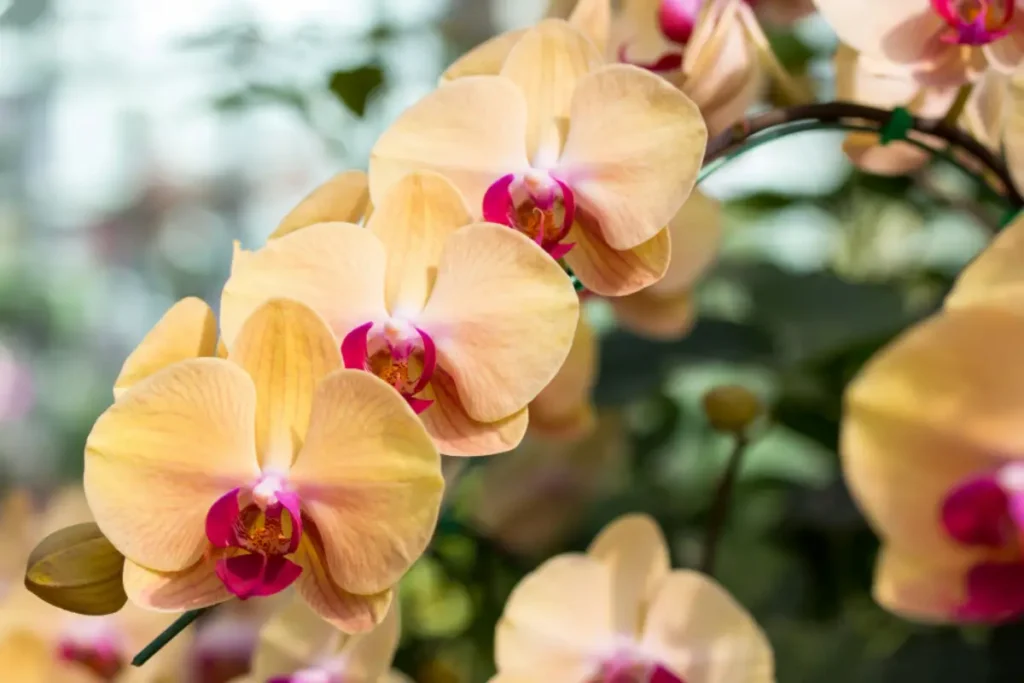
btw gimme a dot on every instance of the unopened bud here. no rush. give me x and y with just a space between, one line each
78 570
731 408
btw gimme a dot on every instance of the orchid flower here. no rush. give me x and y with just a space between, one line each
588 160
564 408
238 476
343 198
296 646
467 322
937 42
940 408
666 309
620 613
40 643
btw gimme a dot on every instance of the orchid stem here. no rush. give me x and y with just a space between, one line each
169 634
721 504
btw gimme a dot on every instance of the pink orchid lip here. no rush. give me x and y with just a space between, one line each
974 25
101 658
499 206
668 62
677 18
625 669
260 568
355 353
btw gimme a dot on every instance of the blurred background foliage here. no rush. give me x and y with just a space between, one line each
139 139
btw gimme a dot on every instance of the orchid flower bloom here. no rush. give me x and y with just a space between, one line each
939 42
940 408
345 198
564 408
296 646
238 476
40 643
666 309
588 160
467 322
620 613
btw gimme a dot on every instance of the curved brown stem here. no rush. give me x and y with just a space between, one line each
720 505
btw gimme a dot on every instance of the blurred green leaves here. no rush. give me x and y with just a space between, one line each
354 87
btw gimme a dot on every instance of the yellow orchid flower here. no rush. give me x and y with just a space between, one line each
240 476
620 613
43 644
468 322
296 646
344 198
938 42
931 449
588 159
666 309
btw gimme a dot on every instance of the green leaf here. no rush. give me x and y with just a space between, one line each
355 86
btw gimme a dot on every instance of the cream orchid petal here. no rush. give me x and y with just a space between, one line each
940 404
653 316
370 480
472 130
636 553
593 18
988 112
348 612
294 638
556 617
634 148
458 434
1013 135
1006 54
636 36
486 59
369 656
696 232
897 30
995 277
503 315
195 587
413 221
158 458
921 588
704 635
287 349
187 330
608 272
546 63
337 269
567 398
345 198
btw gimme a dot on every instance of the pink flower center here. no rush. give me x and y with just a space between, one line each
974 22
988 512
93 644
261 526
536 204
389 353
625 670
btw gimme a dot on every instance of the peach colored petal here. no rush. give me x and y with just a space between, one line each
704 635
368 657
898 30
570 425
637 554
988 108
337 269
187 330
287 349
660 317
1013 136
413 220
164 452
634 148
566 400
696 232
555 619
593 19
472 130
941 403
345 611
370 480
503 315
918 588
635 32
485 59
1006 54
995 277
457 434
546 63
608 272
294 638
192 588
344 198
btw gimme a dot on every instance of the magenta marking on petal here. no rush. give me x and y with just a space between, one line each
429 362
497 202
975 513
241 574
569 204
676 19
560 250
944 8
354 347
418 405
290 501
662 675
670 61
278 573
221 520
995 592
